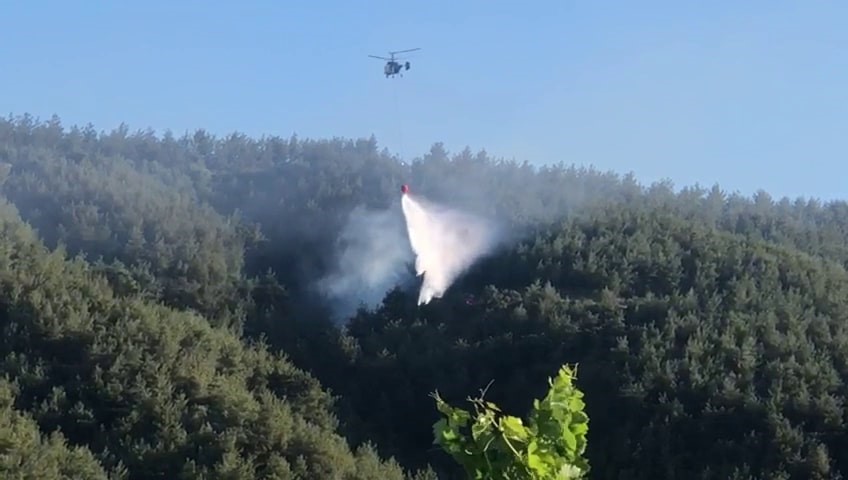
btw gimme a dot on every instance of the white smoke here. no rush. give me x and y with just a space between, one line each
375 249
445 242
372 260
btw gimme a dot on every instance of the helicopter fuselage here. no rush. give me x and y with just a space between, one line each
394 68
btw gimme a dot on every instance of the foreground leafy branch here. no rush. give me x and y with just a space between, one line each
494 446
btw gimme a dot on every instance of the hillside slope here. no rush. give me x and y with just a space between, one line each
709 326
702 354
150 391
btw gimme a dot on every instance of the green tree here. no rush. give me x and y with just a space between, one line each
491 445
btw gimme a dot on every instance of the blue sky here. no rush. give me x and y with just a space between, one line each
749 94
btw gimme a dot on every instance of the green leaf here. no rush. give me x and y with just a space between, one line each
478 429
579 417
568 472
514 428
569 439
537 465
576 404
579 428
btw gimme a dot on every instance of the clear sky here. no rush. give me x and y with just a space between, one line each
750 94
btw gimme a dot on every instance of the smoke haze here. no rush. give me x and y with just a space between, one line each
372 259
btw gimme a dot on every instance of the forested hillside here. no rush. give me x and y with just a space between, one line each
165 316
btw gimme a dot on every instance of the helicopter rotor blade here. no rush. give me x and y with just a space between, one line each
381 58
404 51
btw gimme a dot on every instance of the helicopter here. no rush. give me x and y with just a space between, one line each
393 67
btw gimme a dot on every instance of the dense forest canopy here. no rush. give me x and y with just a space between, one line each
236 307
